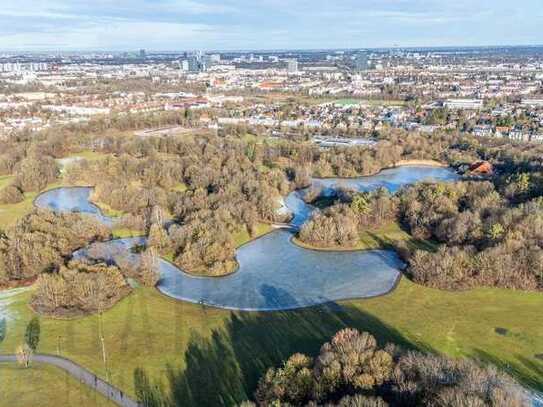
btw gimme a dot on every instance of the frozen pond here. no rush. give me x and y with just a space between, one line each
392 179
71 199
273 273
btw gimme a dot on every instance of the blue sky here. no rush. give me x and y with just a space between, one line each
265 24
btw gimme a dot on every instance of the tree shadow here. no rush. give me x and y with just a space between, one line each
3 329
224 369
519 370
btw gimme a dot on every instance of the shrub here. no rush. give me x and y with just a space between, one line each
11 195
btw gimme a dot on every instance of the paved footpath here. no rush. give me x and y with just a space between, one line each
83 376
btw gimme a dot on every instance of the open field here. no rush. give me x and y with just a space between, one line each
215 350
108 210
51 386
180 187
5 180
10 213
123 233
243 236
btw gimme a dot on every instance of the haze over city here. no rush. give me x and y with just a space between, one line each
269 24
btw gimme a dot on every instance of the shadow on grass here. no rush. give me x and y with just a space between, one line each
519 370
411 242
224 369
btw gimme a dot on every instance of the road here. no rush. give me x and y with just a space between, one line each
83 376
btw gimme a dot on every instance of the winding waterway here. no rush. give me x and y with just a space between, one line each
273 273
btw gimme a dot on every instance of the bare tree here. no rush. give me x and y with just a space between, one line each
24 355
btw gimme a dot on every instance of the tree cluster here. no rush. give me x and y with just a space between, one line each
486 241
79 288
41 241
341 224
352 370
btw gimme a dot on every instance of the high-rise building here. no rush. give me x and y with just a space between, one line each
215 58
361 63
143 54
292 66
194 64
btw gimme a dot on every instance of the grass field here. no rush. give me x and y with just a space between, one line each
211 350
243 236
108 210
23 386
5 180
180 187
9 214
123 233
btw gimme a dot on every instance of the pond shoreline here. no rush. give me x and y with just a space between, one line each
272 272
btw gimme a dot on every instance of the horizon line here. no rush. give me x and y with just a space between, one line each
246 50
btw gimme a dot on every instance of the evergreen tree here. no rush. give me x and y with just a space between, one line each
32 334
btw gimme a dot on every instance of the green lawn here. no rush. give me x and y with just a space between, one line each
5 180
212 350
108 210
9 214
122 233
242 237
51 386
180 187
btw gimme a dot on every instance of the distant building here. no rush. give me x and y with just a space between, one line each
215 58
327 142
143 54
292 66
532 102
193 64
483 131
458 104
481 168
361 63
519 135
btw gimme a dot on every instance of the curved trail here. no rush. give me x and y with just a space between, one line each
82 375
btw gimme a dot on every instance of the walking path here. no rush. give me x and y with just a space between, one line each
82 375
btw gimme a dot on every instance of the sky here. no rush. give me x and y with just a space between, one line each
160 25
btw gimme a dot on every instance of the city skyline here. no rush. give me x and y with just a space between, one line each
62 25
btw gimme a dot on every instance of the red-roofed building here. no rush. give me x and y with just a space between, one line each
481 168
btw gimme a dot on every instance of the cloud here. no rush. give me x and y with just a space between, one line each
236 24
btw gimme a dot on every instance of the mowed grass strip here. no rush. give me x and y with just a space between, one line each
45 386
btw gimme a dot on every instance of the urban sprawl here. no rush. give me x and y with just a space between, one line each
336 96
